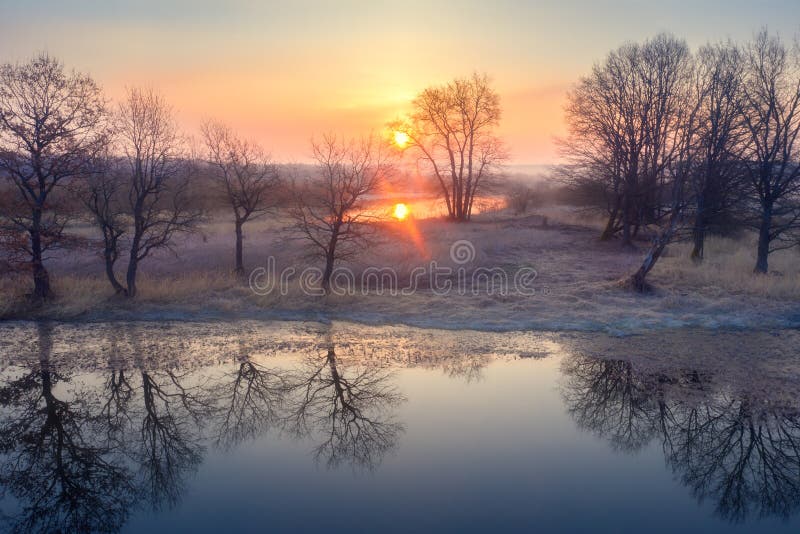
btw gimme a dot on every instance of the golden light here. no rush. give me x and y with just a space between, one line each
401 211
401 139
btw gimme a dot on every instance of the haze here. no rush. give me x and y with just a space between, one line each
280 73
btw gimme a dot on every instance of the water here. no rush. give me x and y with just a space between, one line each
243 426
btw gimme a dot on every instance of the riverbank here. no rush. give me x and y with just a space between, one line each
572 285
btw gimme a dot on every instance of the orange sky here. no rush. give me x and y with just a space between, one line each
281 72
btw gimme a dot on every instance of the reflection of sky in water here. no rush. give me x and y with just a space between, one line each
447 439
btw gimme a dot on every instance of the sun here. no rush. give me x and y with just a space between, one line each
401 211
401 139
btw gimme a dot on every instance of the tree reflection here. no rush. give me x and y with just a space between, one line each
738 452
64 479
349 409
170 444
607 398
114 415
251 397
79 452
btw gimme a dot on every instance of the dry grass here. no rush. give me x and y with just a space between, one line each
728 267
78 295
576 283
12 295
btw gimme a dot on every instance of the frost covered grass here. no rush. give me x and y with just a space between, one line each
576 287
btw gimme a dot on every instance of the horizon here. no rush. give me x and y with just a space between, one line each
280 76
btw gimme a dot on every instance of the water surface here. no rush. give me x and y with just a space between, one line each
245 426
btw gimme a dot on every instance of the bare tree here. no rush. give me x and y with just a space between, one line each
624 124
717 185
519 197
452 130
772 118
51 124
330 207
102 194
691 88
244 175
156 178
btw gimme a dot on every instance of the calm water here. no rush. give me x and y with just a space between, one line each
186 427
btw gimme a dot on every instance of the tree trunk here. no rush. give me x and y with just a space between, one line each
41 278
626 224
608 232
111 258
130 278
133 266
762 262
699 235
637 281
239 269
326 275
330 258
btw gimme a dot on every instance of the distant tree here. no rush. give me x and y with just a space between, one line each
51 124
771 113
452 130
151 189
519 198
330 207
243 174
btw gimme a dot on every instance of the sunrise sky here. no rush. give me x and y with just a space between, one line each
282 71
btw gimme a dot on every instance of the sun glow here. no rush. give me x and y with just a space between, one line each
401 211
401 139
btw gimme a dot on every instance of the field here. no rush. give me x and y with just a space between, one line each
576 286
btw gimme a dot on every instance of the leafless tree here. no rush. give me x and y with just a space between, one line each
772 118
452 131
156 178
609 399
680 165
51 123
716 184
244 175
102 194
519 197
330 207
624 122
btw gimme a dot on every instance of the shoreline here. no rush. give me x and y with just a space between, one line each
620 326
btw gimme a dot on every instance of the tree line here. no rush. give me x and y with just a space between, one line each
691 142
68 153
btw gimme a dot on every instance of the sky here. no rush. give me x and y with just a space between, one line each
281 72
